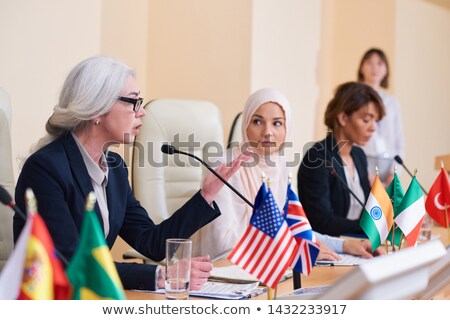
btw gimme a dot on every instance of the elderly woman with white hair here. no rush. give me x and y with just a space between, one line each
99 105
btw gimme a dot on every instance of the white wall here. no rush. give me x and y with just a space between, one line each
41 41
422 83
200 49
285 46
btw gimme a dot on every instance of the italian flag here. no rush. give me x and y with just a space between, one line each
378 216
412 211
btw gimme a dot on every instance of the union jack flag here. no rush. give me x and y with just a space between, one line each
267 247
308 249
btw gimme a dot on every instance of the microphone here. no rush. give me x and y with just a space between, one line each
7 200
400 161
342 182
169 149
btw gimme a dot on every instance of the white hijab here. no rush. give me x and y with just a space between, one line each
274 165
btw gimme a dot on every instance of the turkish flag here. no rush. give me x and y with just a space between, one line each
438 200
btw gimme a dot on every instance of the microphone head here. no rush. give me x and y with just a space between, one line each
398 159
5 198
167 148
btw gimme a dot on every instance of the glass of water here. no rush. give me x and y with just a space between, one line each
178 268
425 230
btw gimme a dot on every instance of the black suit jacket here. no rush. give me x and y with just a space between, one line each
325 200
60 181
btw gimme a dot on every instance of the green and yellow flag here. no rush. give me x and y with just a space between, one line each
91 271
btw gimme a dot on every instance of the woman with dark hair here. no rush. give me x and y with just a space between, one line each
334 165
387 141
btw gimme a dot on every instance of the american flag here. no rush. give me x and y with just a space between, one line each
267 247
308 249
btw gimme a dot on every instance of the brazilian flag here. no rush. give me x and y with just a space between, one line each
91 271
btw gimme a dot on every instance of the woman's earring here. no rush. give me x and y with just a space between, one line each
97 122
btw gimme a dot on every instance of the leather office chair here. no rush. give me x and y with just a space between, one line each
161 182
6 178
235 135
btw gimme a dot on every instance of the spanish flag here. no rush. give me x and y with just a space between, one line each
378 216
33 271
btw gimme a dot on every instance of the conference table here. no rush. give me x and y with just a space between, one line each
319 276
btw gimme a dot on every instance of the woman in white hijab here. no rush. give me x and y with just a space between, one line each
266 124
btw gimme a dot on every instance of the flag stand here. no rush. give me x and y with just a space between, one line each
393 238
446 222
401 241
272 293
296 279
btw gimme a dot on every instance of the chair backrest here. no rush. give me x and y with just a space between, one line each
235 135
6 177
161 182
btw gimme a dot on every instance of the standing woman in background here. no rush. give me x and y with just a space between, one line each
387 141
336 164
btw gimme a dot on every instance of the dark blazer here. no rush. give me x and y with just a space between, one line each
60 181
325 200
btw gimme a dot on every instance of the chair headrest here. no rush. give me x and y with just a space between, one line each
5 105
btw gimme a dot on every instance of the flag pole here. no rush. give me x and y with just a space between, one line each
272 293
296 277
401 241
446 212
393 237
90 201
394 224
446 222
31 201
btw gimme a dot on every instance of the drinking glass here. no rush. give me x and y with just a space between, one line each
178 268
425 230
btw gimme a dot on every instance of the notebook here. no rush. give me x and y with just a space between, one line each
346 260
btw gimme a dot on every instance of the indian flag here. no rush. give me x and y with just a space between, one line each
412 211
378 215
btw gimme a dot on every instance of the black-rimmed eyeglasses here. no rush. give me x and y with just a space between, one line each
135 102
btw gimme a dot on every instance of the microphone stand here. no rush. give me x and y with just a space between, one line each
344 184
170 150
400 161
7 200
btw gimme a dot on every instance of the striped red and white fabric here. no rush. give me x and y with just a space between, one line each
268 247
308 248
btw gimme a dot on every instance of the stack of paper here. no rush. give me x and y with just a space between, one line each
235 274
